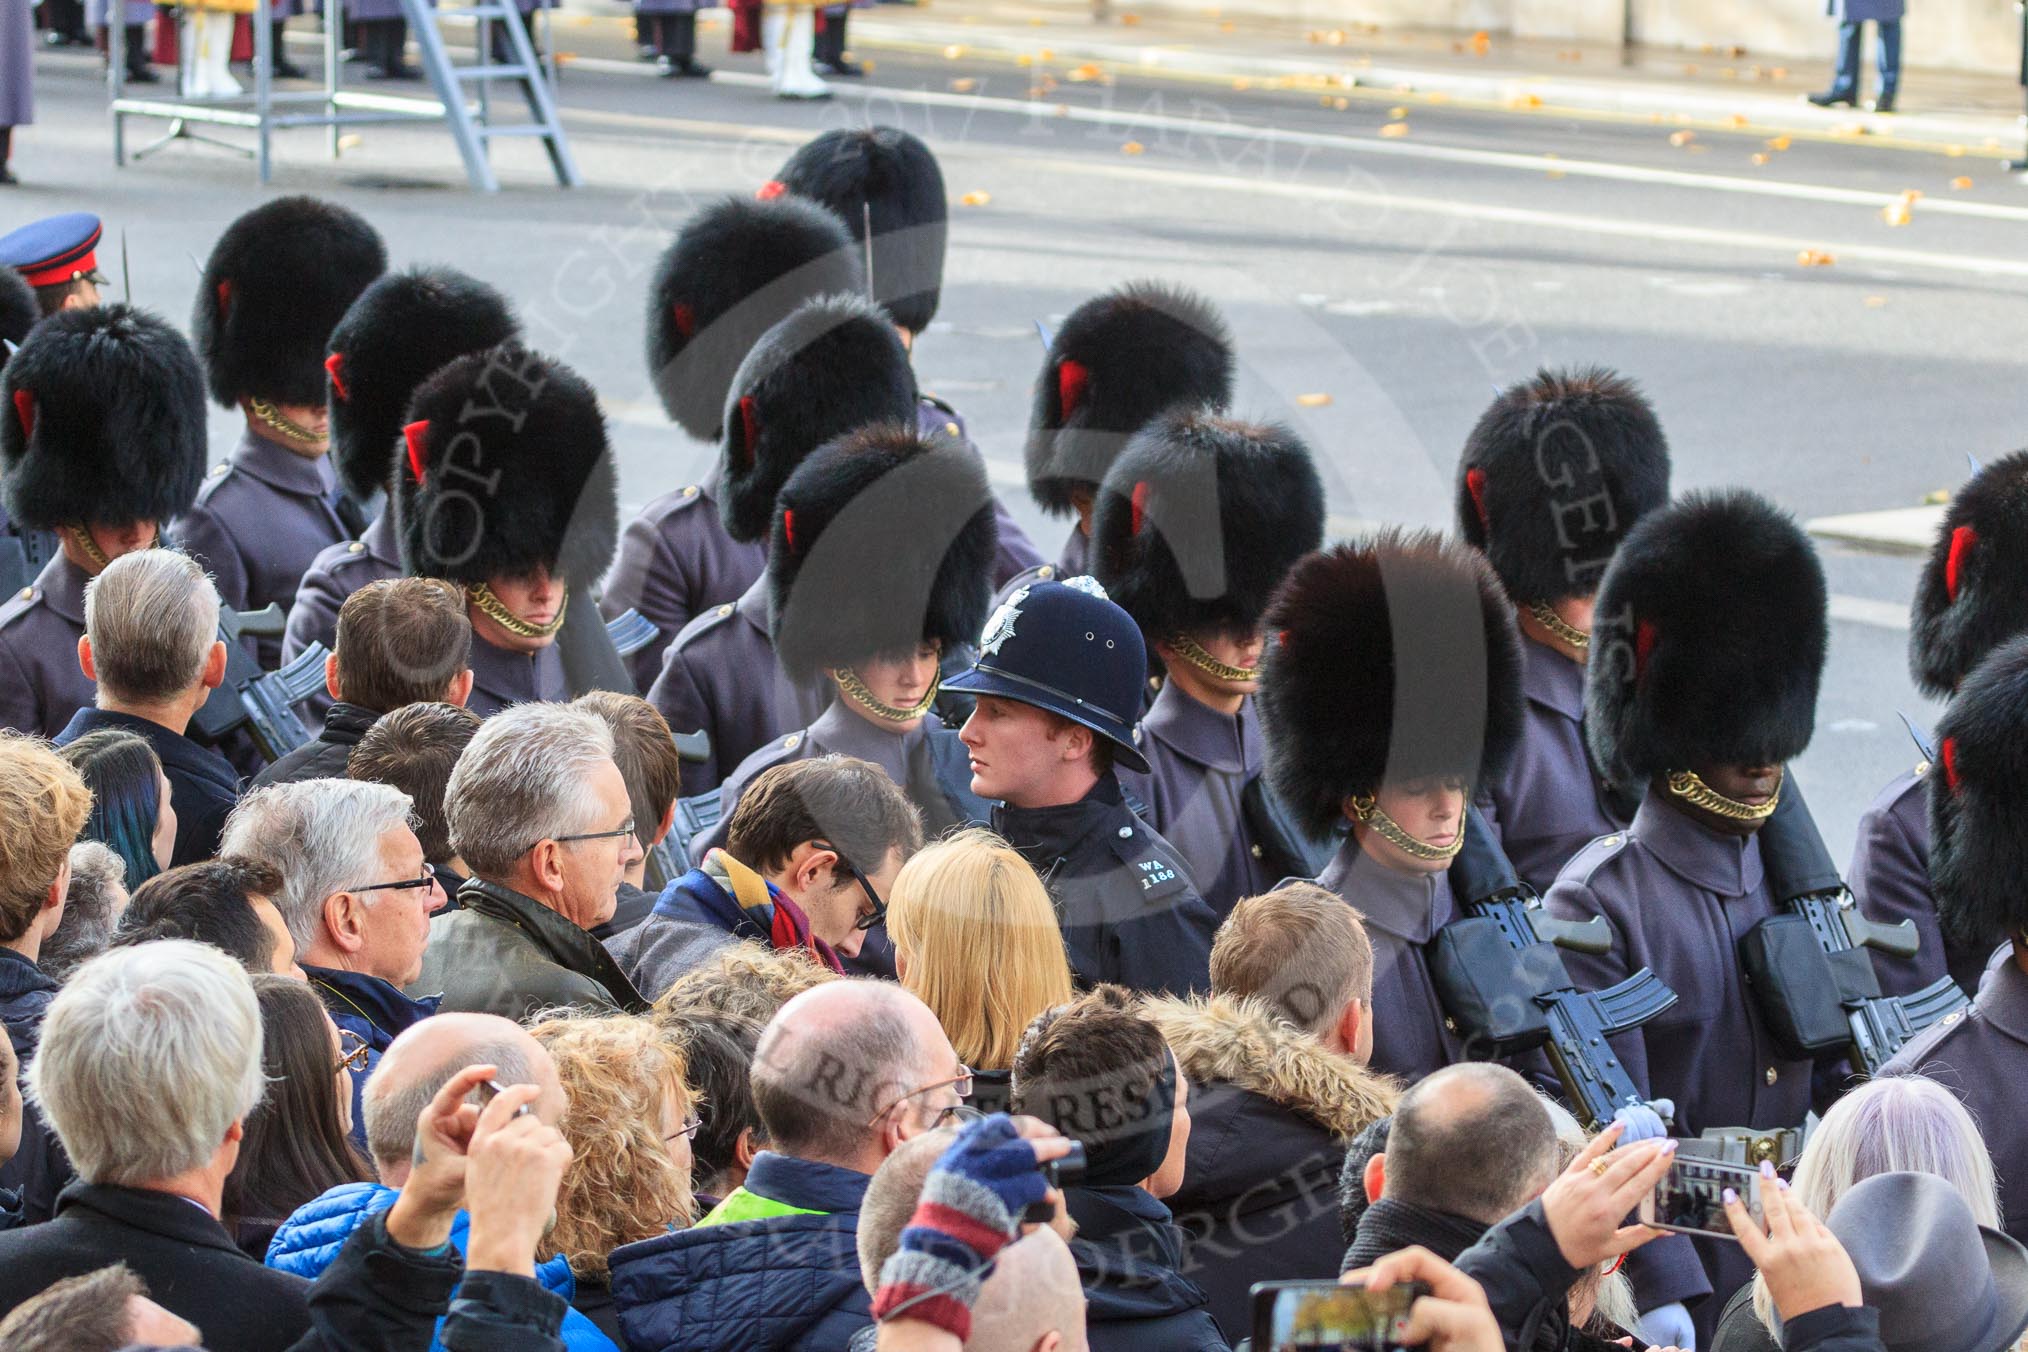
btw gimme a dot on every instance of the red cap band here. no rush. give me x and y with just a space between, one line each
789 527
1140 502
1475 484
1071 378
225 295
749 427
1950 762
334 366
686 320
771 189
1645 635
1963 540
24 410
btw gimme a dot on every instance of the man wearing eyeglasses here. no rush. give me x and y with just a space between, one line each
540 814
844 1074
811 851
357 897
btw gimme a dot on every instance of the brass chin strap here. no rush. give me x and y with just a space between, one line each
849 682
1563 630
494 609
82 538
1368 813
1694 791
1193 652
275 419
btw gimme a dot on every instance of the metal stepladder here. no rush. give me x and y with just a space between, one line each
265 109
520 64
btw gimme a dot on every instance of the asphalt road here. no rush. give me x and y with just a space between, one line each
1380 284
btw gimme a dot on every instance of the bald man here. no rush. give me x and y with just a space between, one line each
1034 1299
844 1074
413 1068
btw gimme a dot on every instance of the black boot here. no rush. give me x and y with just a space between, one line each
6 150
284 69
830 47
138 69
1830 98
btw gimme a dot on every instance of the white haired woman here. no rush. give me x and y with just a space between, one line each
1900 1124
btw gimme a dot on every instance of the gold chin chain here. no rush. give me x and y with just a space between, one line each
1369 814
1191 651
1562 629
494 609
82 538
849 682
1694 791
281 422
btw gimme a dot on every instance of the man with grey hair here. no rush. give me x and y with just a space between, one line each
150 1062
1032 1301
844 1074
92 906
151 647
540 814
357 897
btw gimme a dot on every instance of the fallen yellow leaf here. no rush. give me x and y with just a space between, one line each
1737 120
1758 158
1482 42
1436 96
1313 400
1681 138
1961 183
1132 148
1045 55
1242 84
1955 152
1896 213
1398 111
1814 258
1341 104
1335 38
1779 73
1525 101
1778 143
1875 302
1129 20
1087 72
964 86
975 199
1395 129
953 52
1228 27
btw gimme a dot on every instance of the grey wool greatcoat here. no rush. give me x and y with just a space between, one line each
1199 762
41 684
1889 877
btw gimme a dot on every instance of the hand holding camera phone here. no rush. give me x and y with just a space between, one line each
1326 1315
1690 1199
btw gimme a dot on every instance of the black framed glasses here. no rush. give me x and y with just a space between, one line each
868 918
625 828
352 1054
688 1131
961 1083
428 879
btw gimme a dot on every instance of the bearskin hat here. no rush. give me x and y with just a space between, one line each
401 328
1393 658
833 365
1555 474
1200 519
888 176
1978 853
506 470
1708 641
18 310
735 270
277 282
881 540
104 420
1119 360
1970 596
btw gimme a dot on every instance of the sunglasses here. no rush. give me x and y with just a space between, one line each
353 1056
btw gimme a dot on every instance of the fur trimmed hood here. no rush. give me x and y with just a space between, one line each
1243 1043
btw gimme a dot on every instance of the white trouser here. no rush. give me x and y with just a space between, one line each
787 35
207 54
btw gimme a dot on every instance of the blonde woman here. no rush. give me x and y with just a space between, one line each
1904 1123
975 939
629 1119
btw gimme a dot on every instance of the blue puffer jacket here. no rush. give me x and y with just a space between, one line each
786 1283
308 1242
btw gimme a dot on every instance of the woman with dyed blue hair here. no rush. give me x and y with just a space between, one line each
131 809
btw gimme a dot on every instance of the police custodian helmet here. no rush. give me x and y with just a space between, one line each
1066 648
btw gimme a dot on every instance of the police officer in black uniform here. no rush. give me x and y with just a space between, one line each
1058 682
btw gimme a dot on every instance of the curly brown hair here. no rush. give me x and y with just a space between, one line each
745 980
618 1074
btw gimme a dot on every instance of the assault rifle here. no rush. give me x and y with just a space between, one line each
1505 989
1809 966
262 702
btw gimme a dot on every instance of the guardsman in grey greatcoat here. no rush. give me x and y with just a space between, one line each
833 366
1969 599
402 329
879 560
737 268
885 181
1554 475
1707 651
1197 523
101 442
506 487
1391 688
1118 360
1978 857
278 281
